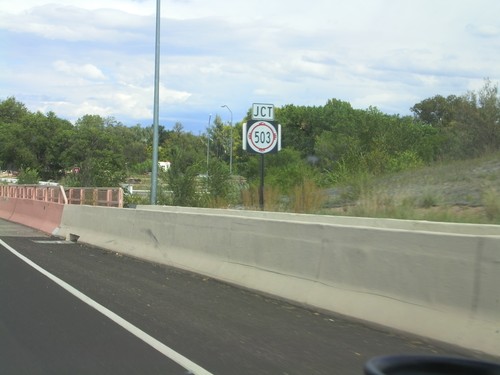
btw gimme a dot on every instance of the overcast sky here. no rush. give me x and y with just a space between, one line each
78 57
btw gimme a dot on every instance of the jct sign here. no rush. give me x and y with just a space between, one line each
261 111
262 137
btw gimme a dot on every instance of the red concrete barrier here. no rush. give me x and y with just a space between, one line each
7 206
44 216
41 207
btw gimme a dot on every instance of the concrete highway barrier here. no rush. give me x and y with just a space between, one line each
7 206
44 216
435 280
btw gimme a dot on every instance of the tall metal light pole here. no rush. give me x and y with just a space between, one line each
154 170
230 141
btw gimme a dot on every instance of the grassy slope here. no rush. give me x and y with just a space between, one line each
461 191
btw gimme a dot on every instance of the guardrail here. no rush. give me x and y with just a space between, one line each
108 197
52 194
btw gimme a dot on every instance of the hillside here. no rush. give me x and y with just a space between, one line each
461 191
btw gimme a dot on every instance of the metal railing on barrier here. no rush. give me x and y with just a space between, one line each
109 197
52 194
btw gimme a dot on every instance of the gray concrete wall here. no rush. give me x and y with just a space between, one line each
432 279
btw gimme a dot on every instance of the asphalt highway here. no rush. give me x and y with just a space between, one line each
68 308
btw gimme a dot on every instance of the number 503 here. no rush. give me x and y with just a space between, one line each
262 137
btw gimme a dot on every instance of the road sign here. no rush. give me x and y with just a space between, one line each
261 111
262 137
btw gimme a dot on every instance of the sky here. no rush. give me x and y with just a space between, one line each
78 57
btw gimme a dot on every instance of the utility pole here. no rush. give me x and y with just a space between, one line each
154 171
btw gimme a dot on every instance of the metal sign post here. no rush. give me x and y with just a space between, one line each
261 187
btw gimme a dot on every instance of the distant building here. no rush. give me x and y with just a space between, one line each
165 165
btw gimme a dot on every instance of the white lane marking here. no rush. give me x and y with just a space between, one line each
54 242
162 348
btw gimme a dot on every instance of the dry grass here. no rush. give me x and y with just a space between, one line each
251 198
462 191
307 197
304 198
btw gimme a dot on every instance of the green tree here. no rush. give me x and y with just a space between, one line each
287 169
437 111
47 136
28 176
12 111
178 142
134 143
218 183
14 152
31 140
220 139
300 127
468 124
484 125
97 153
182 183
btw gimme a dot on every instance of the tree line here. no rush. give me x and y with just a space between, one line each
322 144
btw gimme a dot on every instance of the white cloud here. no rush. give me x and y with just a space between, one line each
138 7
70 23
487 30
85 71
129 102
97 56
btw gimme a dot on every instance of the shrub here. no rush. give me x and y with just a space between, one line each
131 200
28 176
404 161
183 187
427 201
